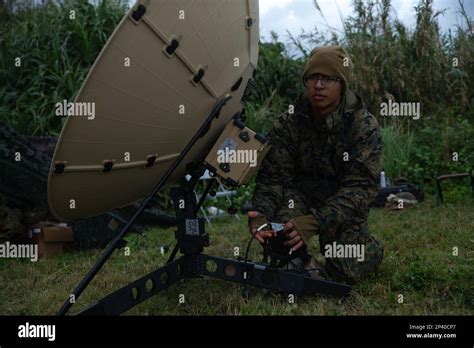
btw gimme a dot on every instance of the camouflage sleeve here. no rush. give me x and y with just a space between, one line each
360 183
276 170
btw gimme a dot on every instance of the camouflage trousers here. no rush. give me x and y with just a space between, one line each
349 235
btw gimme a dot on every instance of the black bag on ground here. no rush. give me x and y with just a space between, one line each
399 185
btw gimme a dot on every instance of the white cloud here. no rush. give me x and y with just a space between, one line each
267 5
294 15
283 15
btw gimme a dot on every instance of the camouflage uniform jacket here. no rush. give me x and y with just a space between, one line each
329 169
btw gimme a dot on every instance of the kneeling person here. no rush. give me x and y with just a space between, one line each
321 175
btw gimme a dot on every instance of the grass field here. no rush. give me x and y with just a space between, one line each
419 264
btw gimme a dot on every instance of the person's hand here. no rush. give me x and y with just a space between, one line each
256 220
300 229
294 239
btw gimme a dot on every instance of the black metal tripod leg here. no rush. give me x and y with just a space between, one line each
205 193
113 245
173 253
249 273
140 290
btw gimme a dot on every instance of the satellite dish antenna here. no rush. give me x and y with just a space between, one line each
152 86
161 60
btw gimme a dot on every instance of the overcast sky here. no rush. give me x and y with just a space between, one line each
293 15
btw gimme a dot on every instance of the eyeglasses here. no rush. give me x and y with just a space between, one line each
326 81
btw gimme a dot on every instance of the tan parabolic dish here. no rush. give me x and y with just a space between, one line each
138 108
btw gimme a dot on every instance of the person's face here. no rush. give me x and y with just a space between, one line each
323 91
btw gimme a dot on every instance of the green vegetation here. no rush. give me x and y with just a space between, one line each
418 263
391 61
418 64
56 53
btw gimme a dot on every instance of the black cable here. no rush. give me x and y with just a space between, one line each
247 253
244 289
286 258
248 247
298 268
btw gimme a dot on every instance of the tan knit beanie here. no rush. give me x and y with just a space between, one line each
331 61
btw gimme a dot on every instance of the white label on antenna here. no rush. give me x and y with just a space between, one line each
192 227
228 143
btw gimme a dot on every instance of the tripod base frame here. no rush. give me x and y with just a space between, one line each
246 273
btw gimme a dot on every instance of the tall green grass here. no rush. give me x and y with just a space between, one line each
420 64
56 53
412 64
398 151
407 64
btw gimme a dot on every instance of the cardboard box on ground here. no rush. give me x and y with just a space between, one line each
52 239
